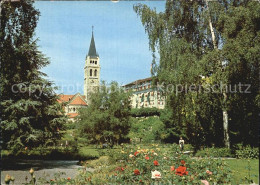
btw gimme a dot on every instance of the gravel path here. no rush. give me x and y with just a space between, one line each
47 169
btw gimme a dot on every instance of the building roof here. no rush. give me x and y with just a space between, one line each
72 115
139 81
92 48
64 98
76 99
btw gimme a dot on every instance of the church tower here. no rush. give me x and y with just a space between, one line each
91 70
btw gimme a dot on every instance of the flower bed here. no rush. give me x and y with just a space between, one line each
148 165
153 165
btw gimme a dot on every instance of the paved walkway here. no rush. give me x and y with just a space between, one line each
20 169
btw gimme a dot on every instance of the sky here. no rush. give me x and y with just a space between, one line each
64 32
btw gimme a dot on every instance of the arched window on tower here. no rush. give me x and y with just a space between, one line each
90 72
95 72
95 62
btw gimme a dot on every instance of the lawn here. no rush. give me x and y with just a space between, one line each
240 170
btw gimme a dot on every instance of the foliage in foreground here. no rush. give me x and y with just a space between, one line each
153 164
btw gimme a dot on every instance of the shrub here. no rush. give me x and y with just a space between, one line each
247 152
214 152
146 129
145 112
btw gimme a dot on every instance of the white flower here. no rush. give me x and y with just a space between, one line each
131 155
155 153
156 174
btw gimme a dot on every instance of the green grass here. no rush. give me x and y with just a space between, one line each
240 170
88 152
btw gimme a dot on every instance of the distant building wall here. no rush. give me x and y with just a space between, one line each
144 95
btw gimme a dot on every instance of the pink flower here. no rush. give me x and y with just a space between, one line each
205 182
209 172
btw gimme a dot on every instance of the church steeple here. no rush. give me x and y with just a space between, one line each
92 48
91 70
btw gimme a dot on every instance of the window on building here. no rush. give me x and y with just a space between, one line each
148 98
95 72
142 98
90 72
95 62
74 110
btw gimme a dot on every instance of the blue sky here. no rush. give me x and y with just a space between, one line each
64 32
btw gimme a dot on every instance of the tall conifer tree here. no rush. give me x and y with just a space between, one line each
30 114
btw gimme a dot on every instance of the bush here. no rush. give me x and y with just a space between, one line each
145 112
247 152
146 130
214 152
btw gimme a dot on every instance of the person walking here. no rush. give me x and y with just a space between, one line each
181 143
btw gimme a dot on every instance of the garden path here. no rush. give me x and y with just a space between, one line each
43 168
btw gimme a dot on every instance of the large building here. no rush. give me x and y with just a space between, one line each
144 95
71 103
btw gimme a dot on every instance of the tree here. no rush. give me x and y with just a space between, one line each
31 115
107 118
198 46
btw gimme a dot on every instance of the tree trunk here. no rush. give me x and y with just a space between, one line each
225 128
224 111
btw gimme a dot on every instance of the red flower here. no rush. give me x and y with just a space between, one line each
147 158
119 169
181 170
136 172
156 163
69 178
172 168
136 153
182 162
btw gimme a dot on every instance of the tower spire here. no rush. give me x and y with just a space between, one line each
92 48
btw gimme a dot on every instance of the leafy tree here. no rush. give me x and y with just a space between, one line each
205 46
107 118
30 114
